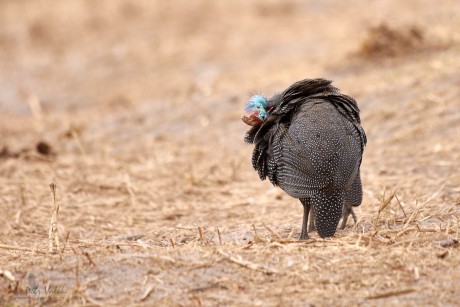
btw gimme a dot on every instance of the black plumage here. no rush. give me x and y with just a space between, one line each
311 146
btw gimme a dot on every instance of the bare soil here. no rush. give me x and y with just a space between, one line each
133 110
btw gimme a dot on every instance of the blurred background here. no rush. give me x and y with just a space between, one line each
161 86
73 55
201 57
133 109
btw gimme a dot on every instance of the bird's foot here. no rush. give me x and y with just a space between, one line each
347 210
305 227
304 235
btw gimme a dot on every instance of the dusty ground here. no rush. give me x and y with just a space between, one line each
137 106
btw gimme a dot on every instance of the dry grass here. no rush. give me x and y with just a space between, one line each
384 41
137 123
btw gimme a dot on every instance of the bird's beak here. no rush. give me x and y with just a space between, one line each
251 118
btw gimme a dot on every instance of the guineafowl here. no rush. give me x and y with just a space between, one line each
309 142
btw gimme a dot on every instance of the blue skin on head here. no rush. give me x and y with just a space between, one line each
257 103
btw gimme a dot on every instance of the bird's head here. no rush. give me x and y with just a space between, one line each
255 112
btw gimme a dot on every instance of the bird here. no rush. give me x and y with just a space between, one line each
308 140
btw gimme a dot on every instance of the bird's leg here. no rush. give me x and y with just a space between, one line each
345 213
354 196
306 211
311 225
353 215
347 210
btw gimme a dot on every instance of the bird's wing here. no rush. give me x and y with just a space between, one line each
295 173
